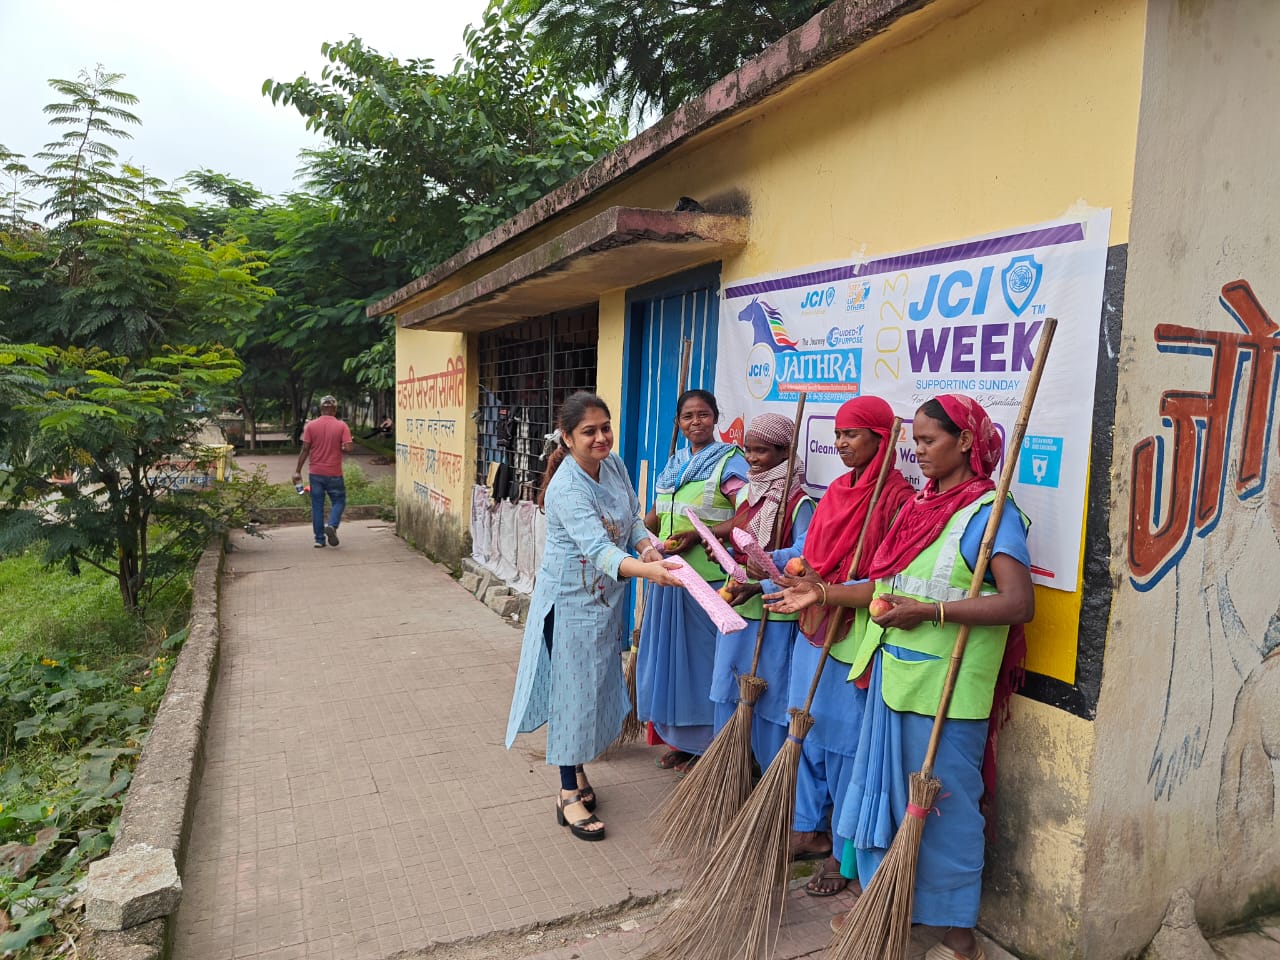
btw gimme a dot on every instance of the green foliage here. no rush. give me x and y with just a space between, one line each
115 267
362 490
95 446
653 55
433 160
69 738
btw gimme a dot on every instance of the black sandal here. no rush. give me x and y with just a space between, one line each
586 792
579 828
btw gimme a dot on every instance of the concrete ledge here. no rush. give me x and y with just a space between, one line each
158 809
127 889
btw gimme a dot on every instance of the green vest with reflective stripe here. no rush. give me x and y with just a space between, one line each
709 503
915 686
753 609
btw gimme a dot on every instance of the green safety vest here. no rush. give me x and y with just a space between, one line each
753 609
709 503
939 573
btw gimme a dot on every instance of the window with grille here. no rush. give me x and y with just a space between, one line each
526 370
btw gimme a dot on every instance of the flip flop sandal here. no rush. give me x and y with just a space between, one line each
822 877
671 759
685 766
579 828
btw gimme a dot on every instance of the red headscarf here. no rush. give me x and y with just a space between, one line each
837 523
924 518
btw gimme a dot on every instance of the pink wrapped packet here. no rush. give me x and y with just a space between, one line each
724 617
748 544
730 566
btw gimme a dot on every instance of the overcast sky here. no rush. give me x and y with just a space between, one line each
198 69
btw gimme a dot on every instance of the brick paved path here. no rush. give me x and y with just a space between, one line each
357 800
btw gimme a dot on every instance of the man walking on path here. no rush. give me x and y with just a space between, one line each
324 439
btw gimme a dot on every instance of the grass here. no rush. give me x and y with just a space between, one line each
80 680
49 609
361 491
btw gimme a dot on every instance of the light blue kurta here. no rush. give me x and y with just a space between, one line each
577 689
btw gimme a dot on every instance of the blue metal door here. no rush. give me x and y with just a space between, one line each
660 316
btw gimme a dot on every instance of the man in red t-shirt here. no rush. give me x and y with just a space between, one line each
324 439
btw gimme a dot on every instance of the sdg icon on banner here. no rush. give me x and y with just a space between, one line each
1041 462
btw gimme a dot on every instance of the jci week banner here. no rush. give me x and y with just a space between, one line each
958 318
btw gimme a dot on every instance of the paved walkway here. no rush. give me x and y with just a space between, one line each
357 800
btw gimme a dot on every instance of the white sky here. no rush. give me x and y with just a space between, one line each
198 70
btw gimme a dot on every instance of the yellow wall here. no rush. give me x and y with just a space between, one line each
435 438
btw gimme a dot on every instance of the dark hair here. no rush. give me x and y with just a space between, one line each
572 411
705 395
934 410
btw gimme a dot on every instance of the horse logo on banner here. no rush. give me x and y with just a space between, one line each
766 324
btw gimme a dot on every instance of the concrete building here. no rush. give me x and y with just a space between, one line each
1142 754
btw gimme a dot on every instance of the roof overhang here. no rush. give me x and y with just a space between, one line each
621 247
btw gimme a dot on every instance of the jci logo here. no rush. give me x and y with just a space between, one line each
818 299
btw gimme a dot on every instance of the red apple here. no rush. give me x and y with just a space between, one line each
879 606
672 545
795 567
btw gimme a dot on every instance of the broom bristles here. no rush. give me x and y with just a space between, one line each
632 728
878 927
691 821
734 907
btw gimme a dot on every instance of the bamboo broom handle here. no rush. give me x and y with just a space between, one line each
686 348
778 521
834 626
1012 448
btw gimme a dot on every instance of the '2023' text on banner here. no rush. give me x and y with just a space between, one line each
958 318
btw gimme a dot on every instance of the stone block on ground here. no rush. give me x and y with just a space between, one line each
496 592
487 580
129 888
503 604
470 582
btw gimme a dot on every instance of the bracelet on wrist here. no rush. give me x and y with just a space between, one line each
823 587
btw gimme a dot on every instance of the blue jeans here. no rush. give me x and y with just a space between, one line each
336 488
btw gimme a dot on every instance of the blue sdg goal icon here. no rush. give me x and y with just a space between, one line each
1040 463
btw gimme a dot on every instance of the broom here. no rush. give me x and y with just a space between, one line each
632 727
879 924
704 803
735 907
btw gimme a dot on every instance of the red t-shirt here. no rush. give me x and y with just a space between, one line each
326 434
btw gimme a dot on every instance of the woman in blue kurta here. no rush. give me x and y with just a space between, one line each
922 570
677 639
767 444
570 675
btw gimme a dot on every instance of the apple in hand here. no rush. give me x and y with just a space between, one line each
879 606
794 567
672 545
725 594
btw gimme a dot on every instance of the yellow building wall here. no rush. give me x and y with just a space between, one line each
435 439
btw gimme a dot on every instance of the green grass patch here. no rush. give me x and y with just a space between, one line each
80 681
361 491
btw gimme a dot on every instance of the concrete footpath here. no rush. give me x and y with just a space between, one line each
357 801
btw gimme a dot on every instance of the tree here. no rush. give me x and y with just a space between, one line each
115 267
652 55
429 161
96 446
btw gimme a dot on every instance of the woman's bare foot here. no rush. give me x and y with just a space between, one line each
809 845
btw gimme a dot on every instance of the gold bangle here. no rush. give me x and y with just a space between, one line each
823 587
942 614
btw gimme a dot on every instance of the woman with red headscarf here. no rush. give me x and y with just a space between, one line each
922 570
863 441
